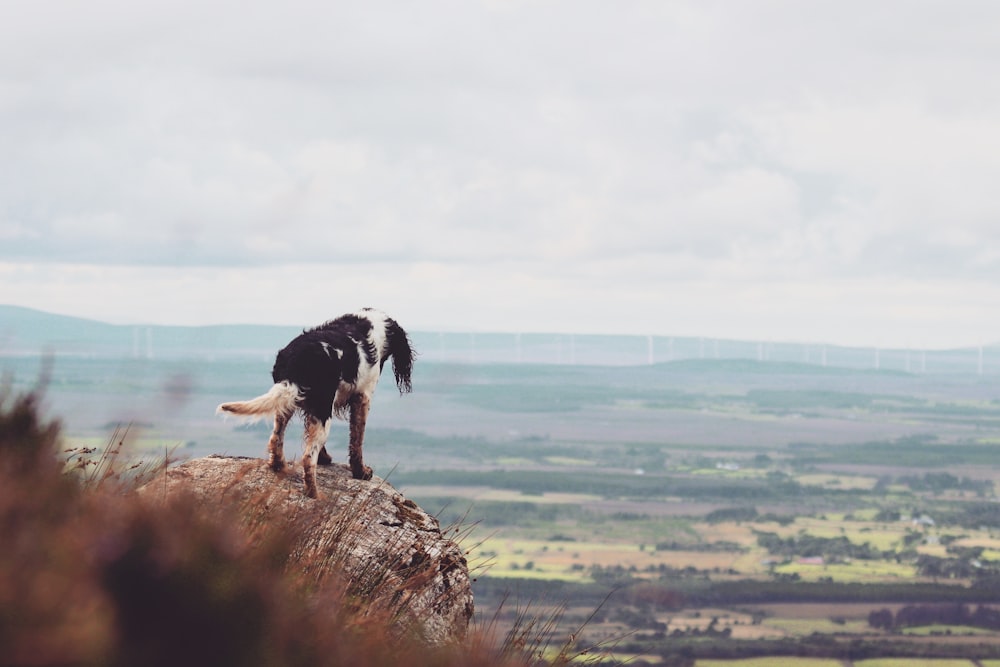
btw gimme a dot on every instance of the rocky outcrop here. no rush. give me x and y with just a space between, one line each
390 554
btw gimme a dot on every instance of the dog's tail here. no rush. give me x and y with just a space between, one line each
283 397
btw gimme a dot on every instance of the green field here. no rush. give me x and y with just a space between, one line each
772 662
784 661
932 630
912 662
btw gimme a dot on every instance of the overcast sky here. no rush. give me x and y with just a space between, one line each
808 171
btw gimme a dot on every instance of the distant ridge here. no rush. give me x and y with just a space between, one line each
24 331
29 332
752 367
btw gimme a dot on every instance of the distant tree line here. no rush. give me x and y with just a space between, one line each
965 566
686 651
972 515
938 482
774 487
746 513
918 451
737 514
918 615
720 546
691 587
833 549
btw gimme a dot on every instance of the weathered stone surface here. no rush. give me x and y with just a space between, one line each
392 552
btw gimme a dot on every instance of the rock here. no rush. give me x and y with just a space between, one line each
392 554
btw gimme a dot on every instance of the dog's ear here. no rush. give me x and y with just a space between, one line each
402 353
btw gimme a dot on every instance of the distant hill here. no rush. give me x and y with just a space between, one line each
28 332
24 331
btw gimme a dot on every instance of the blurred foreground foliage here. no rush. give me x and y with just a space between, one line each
93 573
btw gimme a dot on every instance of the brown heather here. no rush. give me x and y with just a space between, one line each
94 573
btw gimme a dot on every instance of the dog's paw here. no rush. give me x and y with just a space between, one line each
366 473
277 465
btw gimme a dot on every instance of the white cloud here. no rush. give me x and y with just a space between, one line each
724 162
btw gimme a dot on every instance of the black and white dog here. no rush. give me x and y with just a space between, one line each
329 371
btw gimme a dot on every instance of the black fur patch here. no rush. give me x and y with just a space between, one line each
356 328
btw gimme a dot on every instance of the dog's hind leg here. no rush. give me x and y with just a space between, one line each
276 443
315 437
324 458
359 415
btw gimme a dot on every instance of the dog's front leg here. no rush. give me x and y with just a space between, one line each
359 415
315 437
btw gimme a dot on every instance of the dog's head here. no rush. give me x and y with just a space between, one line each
402 353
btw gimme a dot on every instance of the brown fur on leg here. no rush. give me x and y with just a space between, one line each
359 415
276 443
315 437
